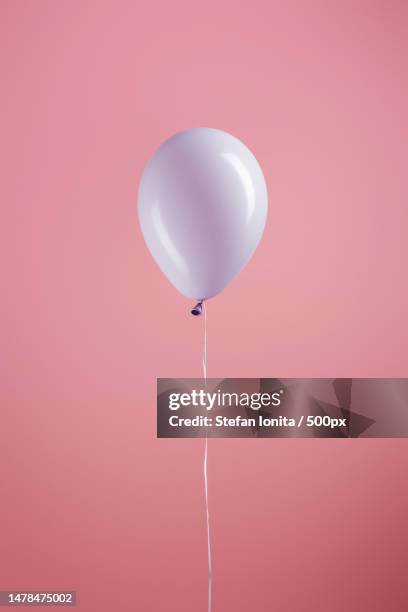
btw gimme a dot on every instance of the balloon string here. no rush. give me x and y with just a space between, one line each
207 512
205 345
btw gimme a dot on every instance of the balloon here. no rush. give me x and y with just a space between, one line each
202 209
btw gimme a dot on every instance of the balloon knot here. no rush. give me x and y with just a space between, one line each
198 309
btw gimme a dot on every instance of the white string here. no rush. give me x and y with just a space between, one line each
207 512
205 345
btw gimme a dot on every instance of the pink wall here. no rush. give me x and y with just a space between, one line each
91 500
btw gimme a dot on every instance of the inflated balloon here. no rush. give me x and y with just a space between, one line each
202 209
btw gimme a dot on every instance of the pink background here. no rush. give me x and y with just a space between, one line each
91 500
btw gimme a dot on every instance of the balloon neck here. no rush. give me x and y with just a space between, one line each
198 309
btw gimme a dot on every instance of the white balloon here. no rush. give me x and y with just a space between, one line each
202 209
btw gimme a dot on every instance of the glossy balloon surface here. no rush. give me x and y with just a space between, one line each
202 209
